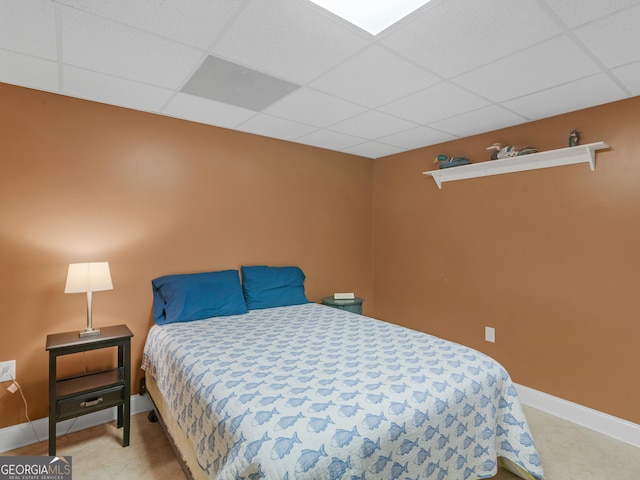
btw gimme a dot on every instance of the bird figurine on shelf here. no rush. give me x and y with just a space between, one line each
510 151
446 162
574 138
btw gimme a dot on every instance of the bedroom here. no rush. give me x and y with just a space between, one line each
548 258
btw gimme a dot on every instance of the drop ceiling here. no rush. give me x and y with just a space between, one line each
452 69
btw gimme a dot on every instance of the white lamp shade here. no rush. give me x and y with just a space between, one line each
88 277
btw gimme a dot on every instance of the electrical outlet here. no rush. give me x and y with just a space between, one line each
7 371
490 334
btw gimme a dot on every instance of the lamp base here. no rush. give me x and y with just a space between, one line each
89 332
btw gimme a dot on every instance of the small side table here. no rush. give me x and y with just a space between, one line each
90 392
352 305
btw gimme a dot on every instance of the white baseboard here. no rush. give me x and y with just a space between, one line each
586 417
20 435
26 434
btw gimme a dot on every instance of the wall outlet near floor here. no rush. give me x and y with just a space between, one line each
490 334
7 371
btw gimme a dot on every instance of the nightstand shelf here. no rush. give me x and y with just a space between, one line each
94 391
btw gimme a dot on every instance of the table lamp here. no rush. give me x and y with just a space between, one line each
88 277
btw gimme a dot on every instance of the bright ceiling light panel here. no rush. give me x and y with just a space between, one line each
371 15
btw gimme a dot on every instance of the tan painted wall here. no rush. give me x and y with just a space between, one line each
550 258
153 195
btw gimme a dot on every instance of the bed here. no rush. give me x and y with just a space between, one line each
306 391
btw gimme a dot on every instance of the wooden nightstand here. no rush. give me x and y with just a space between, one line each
90 392
353 305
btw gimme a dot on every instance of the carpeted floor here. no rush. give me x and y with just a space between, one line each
568 452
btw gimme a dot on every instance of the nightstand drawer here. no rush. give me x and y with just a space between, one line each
90 402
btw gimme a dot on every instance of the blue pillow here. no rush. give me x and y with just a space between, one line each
266 287
182 298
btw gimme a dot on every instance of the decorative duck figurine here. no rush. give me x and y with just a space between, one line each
574 138
510 151
446 162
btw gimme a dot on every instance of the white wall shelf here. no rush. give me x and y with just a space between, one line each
551 158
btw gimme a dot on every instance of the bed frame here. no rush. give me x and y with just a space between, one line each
159 414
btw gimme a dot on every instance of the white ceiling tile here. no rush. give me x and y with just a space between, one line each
371 125
435 103
27 71
483 120
455 68
615 39
455 36
201 110
546 65
288 38
29 27
125 52
373 150
114 91
313 108
275 127
196 22
629 75
416 138
363 81
330 140
566 98
578 12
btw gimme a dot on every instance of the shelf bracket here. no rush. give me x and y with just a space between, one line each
592 158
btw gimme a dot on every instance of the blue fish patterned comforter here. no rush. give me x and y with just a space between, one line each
313 392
